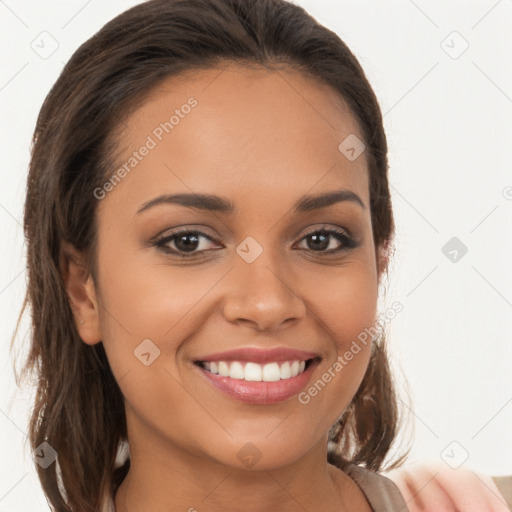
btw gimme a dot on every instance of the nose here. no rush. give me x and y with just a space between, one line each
262 295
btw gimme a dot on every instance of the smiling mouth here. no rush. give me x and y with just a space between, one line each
254 372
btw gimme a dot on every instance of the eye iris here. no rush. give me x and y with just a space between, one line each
187 246
323 238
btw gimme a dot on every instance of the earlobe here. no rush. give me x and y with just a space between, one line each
81 293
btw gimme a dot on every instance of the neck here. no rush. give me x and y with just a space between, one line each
163 476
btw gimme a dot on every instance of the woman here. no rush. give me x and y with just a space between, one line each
208 220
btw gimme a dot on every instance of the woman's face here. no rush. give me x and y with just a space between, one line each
259 276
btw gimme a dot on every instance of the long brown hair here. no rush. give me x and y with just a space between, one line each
78 407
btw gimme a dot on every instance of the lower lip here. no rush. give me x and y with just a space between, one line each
260 392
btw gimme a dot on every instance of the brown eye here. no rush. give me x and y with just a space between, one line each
184 243
332 239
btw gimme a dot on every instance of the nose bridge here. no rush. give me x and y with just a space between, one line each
263 291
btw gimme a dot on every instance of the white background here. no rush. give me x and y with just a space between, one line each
448 122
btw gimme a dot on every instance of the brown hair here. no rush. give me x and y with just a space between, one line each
78 406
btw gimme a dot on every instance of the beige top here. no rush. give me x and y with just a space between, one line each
504 485
381 492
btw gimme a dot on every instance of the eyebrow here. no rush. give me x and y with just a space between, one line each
219 204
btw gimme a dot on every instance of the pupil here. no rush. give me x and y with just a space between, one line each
185 245
324 242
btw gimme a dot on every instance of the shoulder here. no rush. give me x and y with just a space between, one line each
382 493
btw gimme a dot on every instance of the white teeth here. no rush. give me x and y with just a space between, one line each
252 371
285 371
236 370
270 372
223 369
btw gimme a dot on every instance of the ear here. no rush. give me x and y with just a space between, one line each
81 293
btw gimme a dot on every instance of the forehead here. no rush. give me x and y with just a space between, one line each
250 130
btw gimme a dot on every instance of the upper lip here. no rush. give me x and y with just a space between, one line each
261 356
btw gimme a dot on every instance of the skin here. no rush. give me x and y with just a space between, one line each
262 139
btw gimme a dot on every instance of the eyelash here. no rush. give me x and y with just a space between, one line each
347 241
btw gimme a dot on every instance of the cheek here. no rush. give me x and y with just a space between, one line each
142 300
344 301
344 306
149 312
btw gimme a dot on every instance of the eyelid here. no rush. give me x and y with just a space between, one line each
326 227
171 232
